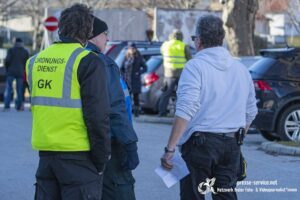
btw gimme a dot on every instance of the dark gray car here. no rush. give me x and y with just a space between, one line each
152 82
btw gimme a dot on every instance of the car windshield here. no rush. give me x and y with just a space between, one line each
261 66
153 63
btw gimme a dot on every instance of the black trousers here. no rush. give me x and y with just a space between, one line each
136 100
169 86
67 176
210 156
117 183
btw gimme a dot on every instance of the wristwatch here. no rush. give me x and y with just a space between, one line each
169 151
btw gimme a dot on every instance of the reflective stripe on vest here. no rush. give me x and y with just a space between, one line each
173 54
66 100
57 123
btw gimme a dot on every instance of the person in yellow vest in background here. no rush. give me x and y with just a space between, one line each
70 108
175 54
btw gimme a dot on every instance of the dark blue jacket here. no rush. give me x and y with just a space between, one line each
15 61
120 124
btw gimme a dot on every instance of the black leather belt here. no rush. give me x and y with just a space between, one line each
230 134
58 153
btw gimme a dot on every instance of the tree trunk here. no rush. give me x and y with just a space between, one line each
37 16
239 21
35 33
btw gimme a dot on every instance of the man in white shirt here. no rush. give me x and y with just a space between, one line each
215 99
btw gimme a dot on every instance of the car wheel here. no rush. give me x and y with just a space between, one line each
289 124
269 136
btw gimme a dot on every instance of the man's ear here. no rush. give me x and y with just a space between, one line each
197 44
200 44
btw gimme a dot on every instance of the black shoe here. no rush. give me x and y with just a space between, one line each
136 111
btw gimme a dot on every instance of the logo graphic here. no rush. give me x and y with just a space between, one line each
208 185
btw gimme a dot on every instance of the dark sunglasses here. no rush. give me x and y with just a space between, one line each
194 37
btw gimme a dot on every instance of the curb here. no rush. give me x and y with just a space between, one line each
157 120
272 147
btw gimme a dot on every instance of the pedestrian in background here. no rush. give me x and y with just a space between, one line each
132 68
15 62
118 181
25 86
175 55
70 108
215 105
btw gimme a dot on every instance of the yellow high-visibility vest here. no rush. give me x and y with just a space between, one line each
58 123
173 55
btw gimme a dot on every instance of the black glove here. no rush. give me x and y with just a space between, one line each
131 159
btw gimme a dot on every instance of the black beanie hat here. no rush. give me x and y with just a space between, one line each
99 27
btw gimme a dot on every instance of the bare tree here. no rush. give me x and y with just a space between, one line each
293 13
95 4
35 9
5 5
239 20
138 4
148 5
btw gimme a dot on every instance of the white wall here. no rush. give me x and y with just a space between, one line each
165 20
21 23
125 24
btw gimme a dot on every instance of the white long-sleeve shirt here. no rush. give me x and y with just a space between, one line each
215 94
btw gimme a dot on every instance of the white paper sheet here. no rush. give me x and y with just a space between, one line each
171 177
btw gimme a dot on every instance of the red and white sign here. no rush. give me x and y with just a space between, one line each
51 23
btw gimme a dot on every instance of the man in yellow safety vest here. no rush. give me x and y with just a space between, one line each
70 108
175 54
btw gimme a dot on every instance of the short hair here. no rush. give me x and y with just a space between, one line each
76 22
19 40
176 34
210 30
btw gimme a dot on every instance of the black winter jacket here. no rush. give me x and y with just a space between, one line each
120 126
15 61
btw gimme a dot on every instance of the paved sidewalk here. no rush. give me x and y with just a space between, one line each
273 147
19 162
154 119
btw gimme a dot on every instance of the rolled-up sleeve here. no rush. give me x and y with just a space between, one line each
251 109
188 92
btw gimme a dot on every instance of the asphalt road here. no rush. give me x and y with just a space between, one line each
269 176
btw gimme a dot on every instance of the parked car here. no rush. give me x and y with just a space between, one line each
276 79
152 82
114 48
145 52
248 60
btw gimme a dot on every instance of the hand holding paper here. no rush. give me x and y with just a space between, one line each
178 171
